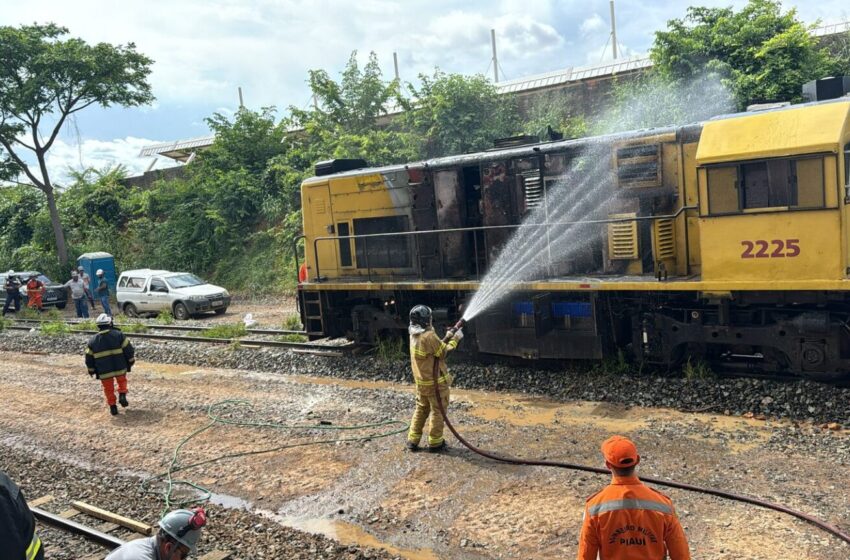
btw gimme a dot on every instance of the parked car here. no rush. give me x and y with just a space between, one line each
147 291
54 294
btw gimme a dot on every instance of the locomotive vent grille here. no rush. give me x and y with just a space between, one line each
622 238
665 241
639 165
533 189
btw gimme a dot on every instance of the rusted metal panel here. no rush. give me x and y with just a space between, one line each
424 212
497 205
450 206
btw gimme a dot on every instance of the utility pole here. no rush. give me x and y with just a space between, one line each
613 30
395 64
241 104
495 59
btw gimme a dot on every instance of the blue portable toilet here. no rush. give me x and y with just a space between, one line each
93 261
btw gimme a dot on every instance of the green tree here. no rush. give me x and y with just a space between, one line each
554 111
46 78
454 114
761 53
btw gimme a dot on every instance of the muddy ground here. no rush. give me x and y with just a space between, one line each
424 506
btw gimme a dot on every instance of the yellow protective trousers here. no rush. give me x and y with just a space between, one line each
427 405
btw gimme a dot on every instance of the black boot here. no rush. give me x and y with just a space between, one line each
113 410
437 448
122 398
412 446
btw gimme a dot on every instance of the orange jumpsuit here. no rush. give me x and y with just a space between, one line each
35 289
630 521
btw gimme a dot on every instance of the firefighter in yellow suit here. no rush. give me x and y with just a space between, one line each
425 348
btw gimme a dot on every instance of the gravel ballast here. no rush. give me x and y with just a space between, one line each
797 400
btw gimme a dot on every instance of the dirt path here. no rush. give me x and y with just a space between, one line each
425 506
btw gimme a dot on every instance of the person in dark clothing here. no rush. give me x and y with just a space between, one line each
109 357
102 291
13 292
18 539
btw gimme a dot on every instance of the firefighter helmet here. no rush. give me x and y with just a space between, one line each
421 315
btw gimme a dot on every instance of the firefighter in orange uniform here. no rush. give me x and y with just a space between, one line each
35 291
425 348
628 520
109 357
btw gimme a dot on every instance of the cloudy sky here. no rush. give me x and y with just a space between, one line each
205 49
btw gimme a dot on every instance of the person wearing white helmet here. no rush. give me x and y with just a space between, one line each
178 536
102 291
109 357
13 292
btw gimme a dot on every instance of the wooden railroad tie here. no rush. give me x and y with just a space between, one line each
103 515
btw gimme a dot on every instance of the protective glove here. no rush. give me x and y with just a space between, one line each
458 335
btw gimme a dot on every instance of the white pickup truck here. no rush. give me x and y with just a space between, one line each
147 291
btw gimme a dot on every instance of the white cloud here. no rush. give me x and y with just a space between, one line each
65 157
592 24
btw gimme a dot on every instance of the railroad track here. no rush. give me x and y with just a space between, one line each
112 530
174 327
315 347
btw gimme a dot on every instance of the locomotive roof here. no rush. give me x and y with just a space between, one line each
527 150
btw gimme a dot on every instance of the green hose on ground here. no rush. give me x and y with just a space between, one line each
215 420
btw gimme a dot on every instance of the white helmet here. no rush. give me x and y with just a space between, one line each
11 272
103 319
185 526
99 272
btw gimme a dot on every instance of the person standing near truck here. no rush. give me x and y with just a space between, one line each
87 282
35 292
78 294
13 292
102 291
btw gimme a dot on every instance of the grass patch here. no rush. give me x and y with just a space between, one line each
54 328
292 338
231 330
390 349
87 325
614 365
51 314
292 323
28 313
165 317
697 369
4 322
134 327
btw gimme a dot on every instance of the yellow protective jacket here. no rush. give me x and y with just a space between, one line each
425 347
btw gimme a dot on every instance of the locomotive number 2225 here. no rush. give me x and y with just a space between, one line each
761 249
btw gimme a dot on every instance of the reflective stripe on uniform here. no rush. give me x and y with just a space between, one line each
419 353
115 373
629 503
34 547
441 350
442 379
105 353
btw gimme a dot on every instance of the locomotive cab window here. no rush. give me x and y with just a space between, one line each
776 183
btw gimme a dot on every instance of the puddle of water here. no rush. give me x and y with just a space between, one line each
525 411
230 502
349 534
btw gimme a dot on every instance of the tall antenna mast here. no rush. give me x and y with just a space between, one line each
613 31
495 59
395 64
241 104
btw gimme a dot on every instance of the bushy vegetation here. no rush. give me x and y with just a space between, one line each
232 330
54 328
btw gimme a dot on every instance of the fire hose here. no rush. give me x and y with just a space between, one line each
829 528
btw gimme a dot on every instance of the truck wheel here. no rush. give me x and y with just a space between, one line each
130 310
60 306
180 312
220 311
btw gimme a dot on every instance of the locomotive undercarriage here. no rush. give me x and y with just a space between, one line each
787 333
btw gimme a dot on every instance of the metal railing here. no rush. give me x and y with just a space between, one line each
415 235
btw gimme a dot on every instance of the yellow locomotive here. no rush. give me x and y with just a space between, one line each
729 242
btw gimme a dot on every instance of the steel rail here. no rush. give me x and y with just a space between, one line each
174 327
246 341
77 528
